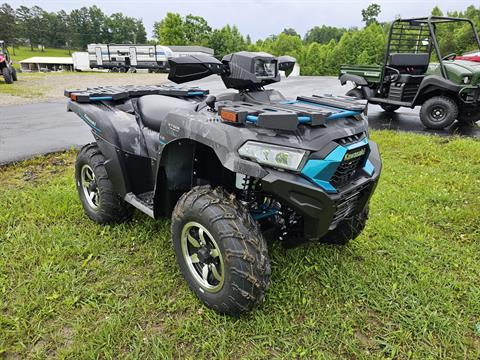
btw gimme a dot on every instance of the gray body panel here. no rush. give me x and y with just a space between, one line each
124 131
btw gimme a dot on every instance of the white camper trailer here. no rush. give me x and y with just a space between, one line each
125 57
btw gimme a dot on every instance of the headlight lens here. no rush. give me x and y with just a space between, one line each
466 80
273 155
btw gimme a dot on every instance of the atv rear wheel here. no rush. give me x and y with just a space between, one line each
99 200
14 74
389 108
356 93
7 75
220 250
347 229
438 112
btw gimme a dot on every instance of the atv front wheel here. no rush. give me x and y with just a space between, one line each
389 108
438 112
7 75
99 200
347 229
356 93
220 250
14 74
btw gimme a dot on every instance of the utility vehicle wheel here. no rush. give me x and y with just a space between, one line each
7 75
389 108
438 112
356 93
100 202
114 69
347 229
14 74
220 250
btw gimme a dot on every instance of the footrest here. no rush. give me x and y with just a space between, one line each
141 203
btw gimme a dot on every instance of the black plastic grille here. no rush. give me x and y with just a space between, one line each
348 169
346 205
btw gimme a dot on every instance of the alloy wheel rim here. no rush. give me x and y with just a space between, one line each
202 256
89 186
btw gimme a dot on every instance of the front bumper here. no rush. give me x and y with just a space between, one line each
470 95
321 210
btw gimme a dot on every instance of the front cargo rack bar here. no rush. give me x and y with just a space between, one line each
287 114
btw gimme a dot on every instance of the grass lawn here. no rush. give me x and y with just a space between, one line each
23 86
408 287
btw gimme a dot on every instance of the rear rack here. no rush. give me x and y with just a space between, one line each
115 93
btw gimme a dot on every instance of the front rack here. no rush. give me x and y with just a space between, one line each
315 110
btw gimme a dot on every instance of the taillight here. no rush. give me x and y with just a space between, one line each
2 58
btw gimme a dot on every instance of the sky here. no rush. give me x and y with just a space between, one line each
258 18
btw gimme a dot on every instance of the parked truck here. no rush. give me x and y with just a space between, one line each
446 89
128 57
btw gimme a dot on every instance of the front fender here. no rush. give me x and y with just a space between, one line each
434 83
179 126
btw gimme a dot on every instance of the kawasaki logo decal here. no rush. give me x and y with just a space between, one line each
355 154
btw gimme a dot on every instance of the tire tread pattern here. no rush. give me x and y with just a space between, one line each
245 250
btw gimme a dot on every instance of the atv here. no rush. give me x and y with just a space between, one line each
6 69
230 170
447 90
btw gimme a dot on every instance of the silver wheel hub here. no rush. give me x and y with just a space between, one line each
203 257
438 113
89 186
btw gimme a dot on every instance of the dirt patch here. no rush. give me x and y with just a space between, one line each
36 87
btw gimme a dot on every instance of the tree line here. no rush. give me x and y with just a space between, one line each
323 48
34 26
320 52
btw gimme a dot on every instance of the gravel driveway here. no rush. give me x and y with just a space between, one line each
40 87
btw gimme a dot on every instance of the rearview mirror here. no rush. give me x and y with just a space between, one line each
286 63
189 68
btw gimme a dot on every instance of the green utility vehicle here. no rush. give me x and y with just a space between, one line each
6 69
446 90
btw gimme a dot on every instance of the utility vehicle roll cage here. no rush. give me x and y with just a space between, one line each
409 35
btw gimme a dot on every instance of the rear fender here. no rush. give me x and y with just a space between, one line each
126 154
358 80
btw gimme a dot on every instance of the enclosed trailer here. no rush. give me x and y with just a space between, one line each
124 57
81 61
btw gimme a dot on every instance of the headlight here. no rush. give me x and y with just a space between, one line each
273 155
466 80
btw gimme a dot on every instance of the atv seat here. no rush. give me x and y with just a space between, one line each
153 109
